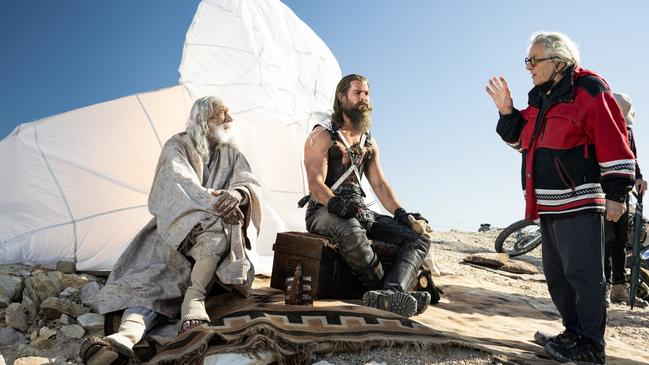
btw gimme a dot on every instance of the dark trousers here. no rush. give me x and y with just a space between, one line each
353 240
617 238
574 270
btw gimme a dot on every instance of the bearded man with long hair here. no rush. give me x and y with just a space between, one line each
203 197
337 154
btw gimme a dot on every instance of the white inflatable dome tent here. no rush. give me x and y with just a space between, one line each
75 185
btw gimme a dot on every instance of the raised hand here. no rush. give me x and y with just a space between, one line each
499 92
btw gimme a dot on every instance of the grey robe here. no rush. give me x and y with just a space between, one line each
151 272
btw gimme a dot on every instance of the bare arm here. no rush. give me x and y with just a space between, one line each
379 184
315 161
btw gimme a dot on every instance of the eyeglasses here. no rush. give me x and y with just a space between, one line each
534 61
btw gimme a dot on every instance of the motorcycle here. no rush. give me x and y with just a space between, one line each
518 238
523 236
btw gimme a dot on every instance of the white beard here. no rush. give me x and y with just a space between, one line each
221 135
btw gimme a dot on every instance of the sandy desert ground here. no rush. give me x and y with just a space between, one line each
60 343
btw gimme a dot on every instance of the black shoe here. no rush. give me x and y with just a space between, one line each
423 300
400 303
581 351
564 338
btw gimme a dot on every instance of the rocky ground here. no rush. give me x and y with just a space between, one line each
45 314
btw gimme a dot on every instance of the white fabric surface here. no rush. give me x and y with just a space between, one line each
75 185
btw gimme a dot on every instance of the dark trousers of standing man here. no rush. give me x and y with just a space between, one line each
573 249
616 238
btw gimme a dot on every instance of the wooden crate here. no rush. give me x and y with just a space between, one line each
331 277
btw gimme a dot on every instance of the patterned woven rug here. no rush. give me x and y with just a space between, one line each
294 333
474 315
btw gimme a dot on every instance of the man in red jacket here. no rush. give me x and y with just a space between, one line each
576 166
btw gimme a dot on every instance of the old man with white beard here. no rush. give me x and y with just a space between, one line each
203 198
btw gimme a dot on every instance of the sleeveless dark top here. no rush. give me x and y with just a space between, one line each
335 166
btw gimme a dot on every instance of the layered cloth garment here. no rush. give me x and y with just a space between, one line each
574 146
152 272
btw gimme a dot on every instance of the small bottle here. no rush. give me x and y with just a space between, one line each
297 289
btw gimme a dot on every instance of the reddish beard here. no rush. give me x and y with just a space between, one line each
360 115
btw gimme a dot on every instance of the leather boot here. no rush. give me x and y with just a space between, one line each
405 266
423 300
400 303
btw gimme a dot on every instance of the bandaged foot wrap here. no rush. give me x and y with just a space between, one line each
135 323
193 307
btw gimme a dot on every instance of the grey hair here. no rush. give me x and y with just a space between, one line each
557 45
197 127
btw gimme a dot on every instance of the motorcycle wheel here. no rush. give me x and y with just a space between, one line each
518 238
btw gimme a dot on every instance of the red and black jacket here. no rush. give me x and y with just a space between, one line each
574 145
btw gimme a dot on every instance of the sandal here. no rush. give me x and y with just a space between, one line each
103 350
184 327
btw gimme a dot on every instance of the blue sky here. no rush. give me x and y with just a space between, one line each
427 62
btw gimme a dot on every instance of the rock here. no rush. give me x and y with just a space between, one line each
46 333
30 306
16 317
31 360
11 286
33 335
2 360
55 276
26 350
4 301
59 360
78 280
40 287
70 293
9 336
16 269
92 322
66 266
65 319
45 338
72 331
68 349
53 308
89 294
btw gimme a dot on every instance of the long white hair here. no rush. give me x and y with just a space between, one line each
197 127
